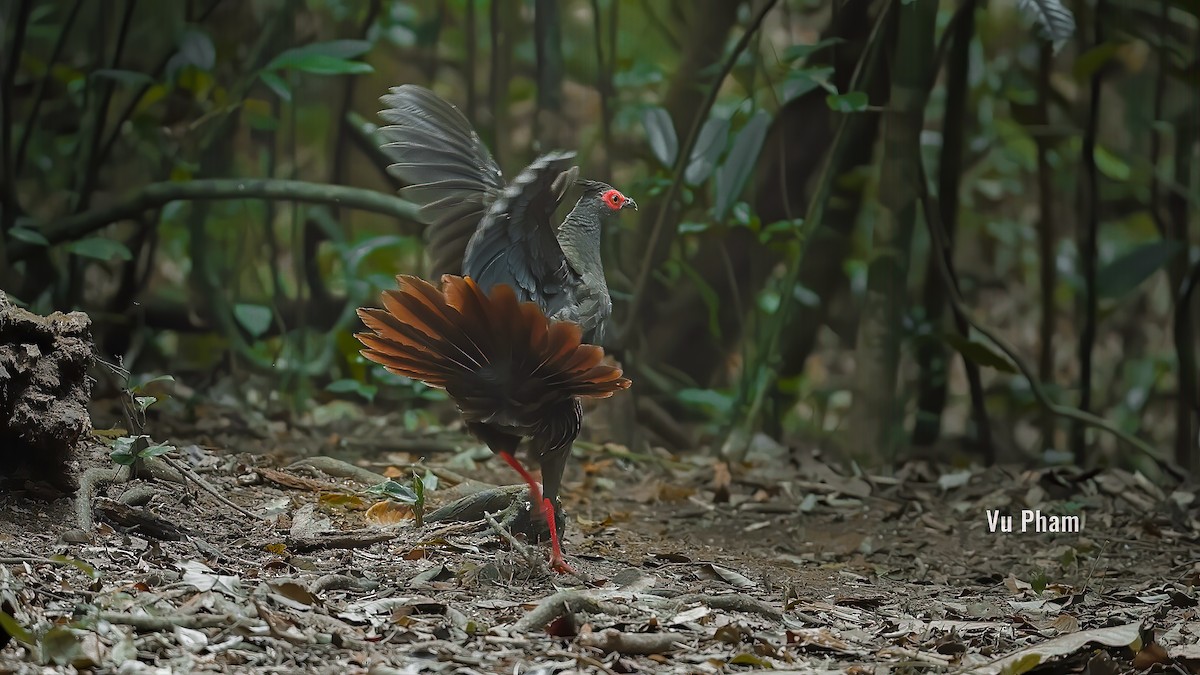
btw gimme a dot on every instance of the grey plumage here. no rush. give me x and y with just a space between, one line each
495 232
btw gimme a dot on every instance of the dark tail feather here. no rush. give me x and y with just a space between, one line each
476 345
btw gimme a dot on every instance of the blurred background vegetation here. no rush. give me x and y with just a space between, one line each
894 228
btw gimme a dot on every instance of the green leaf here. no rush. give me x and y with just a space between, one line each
277 85
735 171
660 132
123 452
711 142
1129 270
324 58
349 386
318 64
99 248
978 353
196 49
256 319
156 450
851 101
9 625
690 227
130 78
710 401
338 49
1055 22
354 255
144 402
29 236
1087 63
800 81
77 564
154 380
393 490
1110 165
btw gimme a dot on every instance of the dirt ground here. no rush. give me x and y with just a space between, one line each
789 563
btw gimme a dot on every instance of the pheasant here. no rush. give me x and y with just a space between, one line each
510 335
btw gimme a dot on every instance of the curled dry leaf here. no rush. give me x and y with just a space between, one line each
388 512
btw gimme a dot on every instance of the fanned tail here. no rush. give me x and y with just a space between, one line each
488 349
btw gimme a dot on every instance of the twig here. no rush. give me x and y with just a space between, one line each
206 486
146 622
613 640
351 539
22 559
90 159
730 602
562 603
582 658
9 204
341 582
340 469
39 95
158 194
531 555
1089 191
287 480
1066 412
137 97
141 520
681 162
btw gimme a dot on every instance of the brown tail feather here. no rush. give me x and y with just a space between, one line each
482 347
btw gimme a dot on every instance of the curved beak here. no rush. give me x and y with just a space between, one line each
629 204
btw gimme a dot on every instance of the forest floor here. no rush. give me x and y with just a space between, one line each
787 563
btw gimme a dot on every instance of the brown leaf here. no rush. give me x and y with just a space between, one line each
294 592
343 500
388 512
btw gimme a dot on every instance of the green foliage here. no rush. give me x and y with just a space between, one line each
732 174
399 492
99 248
1126 273
256 319
710 145
212 97
854 101
129 449
661 135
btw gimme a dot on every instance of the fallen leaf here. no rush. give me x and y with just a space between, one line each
342 500
294 592
690 615
711 571
1026 659
388 512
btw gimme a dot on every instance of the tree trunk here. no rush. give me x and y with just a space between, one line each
875 412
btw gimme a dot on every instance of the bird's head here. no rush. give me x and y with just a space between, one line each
603 199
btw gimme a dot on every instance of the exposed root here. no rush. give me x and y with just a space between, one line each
612 640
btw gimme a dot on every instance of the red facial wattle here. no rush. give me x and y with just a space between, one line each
613 199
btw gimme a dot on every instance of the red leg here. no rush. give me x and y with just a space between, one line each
535 491
557 563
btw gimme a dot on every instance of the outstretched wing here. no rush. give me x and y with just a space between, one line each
447 168
516 242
